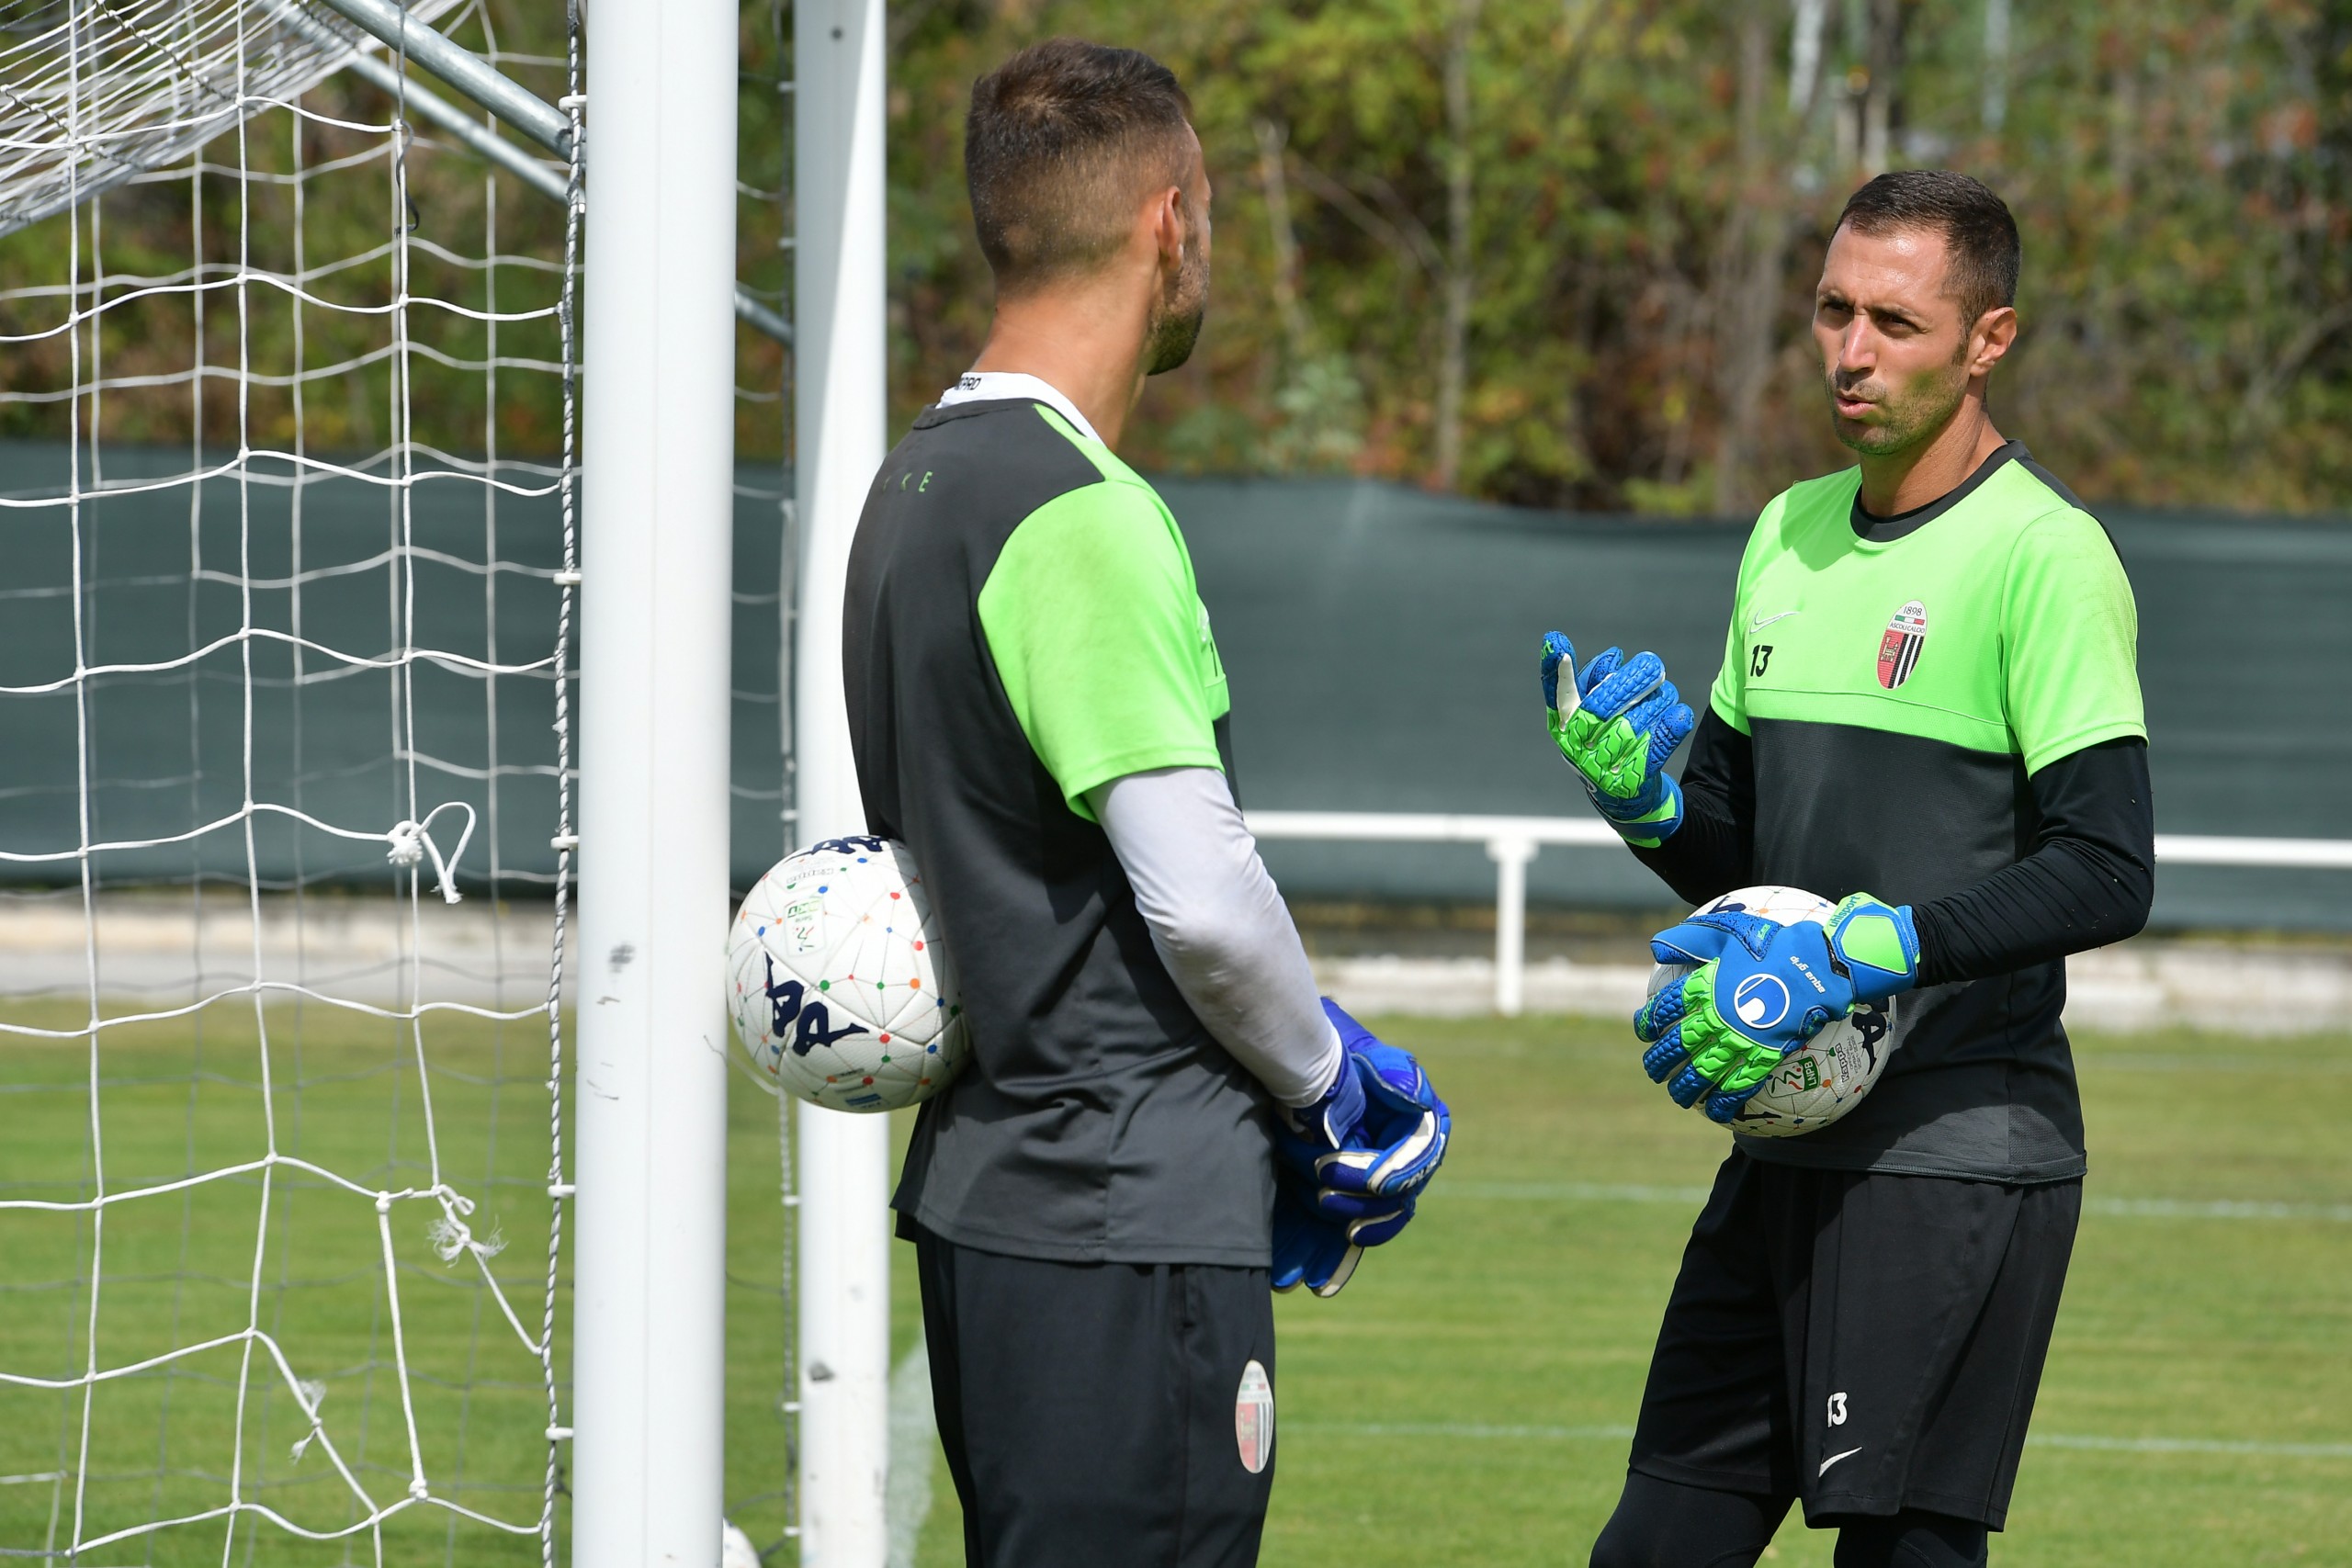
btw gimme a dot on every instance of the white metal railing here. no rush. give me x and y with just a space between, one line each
1513 841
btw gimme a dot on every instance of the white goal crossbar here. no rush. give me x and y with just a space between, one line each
1513 841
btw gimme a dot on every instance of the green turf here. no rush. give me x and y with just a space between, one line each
1510 1306
180 1267
1526 1298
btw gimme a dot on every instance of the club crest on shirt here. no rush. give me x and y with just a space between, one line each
1898 650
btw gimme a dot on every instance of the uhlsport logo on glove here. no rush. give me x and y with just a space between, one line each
1775 986
1761 1001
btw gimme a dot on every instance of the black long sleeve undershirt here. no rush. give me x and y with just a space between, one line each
1714 850
2087 881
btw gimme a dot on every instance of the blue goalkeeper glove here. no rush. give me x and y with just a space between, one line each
1621 720
1374 1138
1318 1252
1761 990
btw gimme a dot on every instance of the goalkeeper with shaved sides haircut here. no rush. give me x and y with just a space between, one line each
1161 1122
1928 708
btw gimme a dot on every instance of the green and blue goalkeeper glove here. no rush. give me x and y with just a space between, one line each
1761 989
1621 719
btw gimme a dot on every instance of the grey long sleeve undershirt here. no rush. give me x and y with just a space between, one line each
1220 926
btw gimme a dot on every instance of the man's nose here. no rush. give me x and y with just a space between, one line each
1856 348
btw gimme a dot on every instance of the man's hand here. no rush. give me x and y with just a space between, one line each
1318 1252
1373 1140
1621 719
1761 990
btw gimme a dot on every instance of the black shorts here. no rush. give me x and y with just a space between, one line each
1096 1415
1868 1343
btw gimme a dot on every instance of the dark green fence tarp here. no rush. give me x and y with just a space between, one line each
170 571
1381 645
1381 642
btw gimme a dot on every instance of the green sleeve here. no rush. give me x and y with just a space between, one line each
1099 635
1729 697
2070 637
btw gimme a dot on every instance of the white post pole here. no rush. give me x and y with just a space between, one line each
1510 857
658 435
840 439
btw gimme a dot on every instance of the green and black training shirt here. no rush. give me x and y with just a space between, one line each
1942 709
1022 625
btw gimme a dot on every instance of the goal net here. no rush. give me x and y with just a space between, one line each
286 489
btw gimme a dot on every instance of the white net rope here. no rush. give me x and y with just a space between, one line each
286 482
95 93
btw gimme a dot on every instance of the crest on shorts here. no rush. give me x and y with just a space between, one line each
1254 1418
1898 650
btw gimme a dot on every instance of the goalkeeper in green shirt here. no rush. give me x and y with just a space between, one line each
1928 708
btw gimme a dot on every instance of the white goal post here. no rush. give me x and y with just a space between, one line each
650 1095
234 104
654 1038
841 431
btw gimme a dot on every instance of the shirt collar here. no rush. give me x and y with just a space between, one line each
997 386
1872 528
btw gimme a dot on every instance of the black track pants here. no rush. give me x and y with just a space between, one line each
1089 1411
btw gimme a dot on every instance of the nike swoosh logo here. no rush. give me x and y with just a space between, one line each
1833 1458
1758 624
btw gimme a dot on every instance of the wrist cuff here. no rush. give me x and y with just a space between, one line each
1326 1079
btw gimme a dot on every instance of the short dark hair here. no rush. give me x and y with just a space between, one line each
1061 140
1981 238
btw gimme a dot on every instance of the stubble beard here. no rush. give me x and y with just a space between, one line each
1175 325
1911 417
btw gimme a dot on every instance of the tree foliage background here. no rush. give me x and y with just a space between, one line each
1562 252
1552 252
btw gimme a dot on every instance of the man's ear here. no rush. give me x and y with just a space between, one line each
1991 338
1166 217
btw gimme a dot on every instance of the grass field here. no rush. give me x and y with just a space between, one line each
1465 1402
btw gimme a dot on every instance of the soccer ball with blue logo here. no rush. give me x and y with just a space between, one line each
837 982
1827 1076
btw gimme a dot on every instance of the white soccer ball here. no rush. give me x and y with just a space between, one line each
838 985
1826 1077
